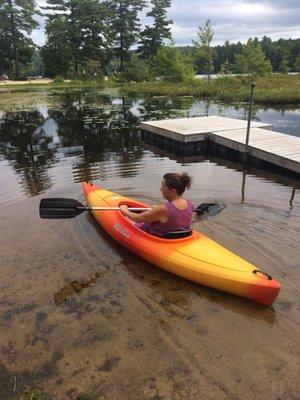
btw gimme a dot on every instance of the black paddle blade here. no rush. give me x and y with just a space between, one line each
60 208
210 208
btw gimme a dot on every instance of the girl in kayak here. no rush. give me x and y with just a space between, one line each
176 215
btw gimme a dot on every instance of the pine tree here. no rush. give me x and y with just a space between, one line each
16 23
252 60
225 68
283 66
152 37
125 25
57 51
82 24
205 52
297 63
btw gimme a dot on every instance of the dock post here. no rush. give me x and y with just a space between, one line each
248 125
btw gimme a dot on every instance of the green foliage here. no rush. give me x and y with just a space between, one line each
225 68
274 89
16 21
36 67
76 31
283 67
57 53
136 70
58 79
171 65
297 63
91 69
125 25
252 60
203 45
151 38
275 51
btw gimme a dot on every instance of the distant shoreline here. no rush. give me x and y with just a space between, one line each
270 90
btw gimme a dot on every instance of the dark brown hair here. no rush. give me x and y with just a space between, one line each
179 182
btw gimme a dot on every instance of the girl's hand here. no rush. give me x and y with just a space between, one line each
123 209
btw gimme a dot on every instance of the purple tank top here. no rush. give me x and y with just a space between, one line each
179 220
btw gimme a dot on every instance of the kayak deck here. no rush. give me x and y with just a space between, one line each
196 257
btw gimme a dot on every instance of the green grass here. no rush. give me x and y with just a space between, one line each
271 90
275 89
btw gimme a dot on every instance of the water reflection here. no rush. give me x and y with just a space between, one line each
99 135
247 170
27 147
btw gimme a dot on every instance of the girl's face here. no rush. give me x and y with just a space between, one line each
166 192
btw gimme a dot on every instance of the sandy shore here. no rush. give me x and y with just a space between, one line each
30 81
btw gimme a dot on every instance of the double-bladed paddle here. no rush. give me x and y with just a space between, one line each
59 208
56 208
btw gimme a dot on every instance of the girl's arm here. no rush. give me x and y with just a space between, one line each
158 213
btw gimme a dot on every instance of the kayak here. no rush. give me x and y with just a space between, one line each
196 257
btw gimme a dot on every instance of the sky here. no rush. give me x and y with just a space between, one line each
231 20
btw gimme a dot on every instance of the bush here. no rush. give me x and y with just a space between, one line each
58 79
91 70
136 70
19 78
171 65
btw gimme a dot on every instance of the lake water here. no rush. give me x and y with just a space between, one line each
79 314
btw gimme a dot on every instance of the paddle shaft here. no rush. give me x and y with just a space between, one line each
58 208
112 208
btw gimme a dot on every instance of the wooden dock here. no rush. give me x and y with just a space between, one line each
264 144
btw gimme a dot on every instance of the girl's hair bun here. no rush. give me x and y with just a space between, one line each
186 180
179 182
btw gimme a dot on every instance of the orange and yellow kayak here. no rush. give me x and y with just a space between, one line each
196 257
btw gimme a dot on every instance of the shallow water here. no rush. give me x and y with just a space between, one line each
80 313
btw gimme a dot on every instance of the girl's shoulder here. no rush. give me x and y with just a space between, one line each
163 207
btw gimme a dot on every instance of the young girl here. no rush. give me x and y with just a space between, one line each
176 215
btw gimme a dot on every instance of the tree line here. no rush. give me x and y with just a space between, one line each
88 39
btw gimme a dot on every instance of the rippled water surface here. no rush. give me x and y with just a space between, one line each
81 315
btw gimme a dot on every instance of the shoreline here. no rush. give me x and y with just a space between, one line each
274 90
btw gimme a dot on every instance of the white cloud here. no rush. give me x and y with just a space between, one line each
231 20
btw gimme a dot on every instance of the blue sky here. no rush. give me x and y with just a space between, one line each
231 20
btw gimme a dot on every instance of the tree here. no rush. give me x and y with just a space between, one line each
16 21
225 68
136 70
77 31
57 51
151 38
252 60
92 70
283 66
205 36
171 65
125 25
95 32
36 68
297 63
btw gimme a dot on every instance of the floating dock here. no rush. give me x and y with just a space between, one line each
193 136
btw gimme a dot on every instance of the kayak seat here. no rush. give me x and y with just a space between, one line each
177 234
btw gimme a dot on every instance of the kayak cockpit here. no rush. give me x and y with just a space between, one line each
177 234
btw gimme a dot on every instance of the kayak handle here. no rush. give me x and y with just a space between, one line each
255 271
